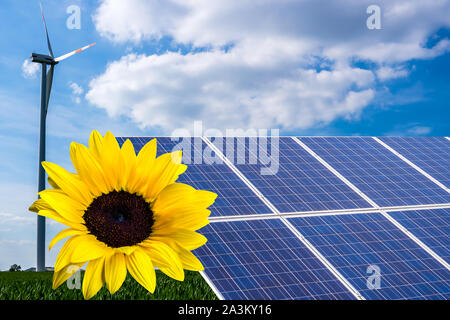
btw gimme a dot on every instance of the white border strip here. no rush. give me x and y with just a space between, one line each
411 163
258 216
447 138
305 242
386 215
212 285
319 214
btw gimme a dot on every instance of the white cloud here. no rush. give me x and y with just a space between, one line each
29 69
419 131
227 91
287 63
386 73
77 91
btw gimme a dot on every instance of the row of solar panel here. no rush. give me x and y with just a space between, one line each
263 259
303 184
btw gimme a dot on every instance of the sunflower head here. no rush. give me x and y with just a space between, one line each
124 213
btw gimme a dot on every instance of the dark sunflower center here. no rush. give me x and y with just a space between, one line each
119 219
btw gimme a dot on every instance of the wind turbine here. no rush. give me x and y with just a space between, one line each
46 87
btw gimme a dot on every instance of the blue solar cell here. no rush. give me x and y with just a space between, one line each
381 175
406 270
262 259
431 154
300 182
432 227
234 197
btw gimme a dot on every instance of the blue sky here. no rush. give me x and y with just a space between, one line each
305 68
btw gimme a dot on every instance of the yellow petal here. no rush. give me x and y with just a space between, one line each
63 258
177 196
190 219
88 248
110 159
72 186
38 205
59 277
126 250
115 271
174 194
128 163
80 248
52 214
164 258
66 207
64 234
52 183
93 277
96 144
187 259
165 171
141 269
144 165
88 168
187 239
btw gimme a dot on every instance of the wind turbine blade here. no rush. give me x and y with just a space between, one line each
67 55
48 89
46 32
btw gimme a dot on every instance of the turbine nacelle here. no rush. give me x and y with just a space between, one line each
43 58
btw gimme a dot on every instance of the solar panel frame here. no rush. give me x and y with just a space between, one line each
381 175
353 242
263 259
431 226
301 182
432 154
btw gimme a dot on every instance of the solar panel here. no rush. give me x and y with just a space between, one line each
354 242
234 197
262 259
432 227
431 154
301 183
381 175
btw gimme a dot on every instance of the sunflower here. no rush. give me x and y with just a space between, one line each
124 213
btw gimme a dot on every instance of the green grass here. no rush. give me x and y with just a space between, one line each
38 286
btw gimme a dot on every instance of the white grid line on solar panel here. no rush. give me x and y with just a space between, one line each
354 242
233 195
432 154
260 248
381 175
431 226
301 183
439 184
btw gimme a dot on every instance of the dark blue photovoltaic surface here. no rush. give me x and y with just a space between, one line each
262 259
432 227
234 197
301 183
380 174
353 242
431 154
